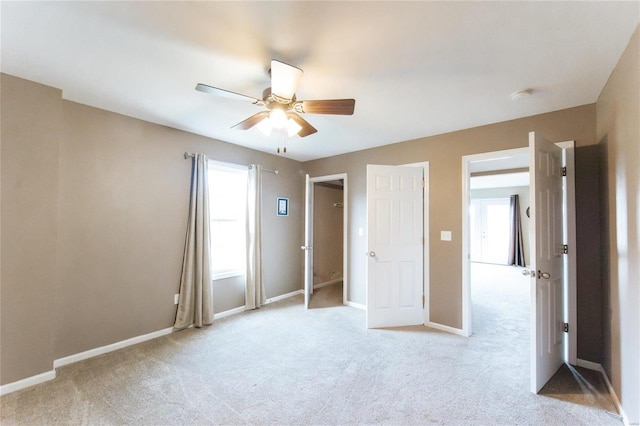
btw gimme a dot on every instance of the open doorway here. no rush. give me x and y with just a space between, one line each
500 294
325 241
550 303
328 256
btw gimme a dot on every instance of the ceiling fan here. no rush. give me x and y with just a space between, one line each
282 107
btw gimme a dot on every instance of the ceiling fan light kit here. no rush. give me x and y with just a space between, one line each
283 108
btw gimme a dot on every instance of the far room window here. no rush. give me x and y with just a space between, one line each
227 210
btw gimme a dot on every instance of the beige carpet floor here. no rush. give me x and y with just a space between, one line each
285 365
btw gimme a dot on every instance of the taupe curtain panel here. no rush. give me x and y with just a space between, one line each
254 292
195 306
516 247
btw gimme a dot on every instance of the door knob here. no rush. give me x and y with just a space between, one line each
528 272
544 275
372 253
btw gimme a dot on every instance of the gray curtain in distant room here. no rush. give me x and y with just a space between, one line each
195 306
516 247
254 293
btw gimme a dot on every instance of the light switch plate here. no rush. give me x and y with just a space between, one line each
445 235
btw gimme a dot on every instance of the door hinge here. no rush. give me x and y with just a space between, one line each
564 171
565 249
424 183
565 327
423 300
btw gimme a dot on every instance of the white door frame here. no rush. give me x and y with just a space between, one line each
345 227
570 309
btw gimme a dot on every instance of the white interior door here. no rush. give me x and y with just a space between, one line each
547 260
308 242
395 246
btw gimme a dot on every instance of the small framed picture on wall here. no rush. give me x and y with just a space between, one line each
283 206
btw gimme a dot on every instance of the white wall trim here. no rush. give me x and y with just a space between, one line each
588 365
327 283
356 305
598 367
230 312
569 238
29 381
282 296
60 362
452 330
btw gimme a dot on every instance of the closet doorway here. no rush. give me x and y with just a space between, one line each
325 241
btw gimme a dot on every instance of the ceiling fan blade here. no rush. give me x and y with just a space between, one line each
251 121
284 79
225 93
327 106
307 129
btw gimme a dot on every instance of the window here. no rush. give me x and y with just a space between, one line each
490 230
227 211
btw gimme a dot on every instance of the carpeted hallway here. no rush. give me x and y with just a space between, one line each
286 365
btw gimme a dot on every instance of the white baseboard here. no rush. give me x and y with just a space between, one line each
327 283
61 362
230 312
446 328
598 367
109 348
356 305
588 365
283 296
143 338
29 381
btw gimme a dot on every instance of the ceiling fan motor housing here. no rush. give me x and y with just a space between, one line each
270 99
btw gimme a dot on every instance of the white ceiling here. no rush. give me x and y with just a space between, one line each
416 69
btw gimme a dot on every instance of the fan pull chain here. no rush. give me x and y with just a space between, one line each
284 145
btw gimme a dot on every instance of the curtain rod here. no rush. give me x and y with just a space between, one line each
192 154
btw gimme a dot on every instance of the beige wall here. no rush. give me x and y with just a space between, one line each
327 234
93 224
444 153
30 130
618 130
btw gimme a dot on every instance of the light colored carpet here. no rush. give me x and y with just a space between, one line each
286 365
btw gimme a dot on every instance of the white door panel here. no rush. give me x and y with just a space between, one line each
395 244
547 260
